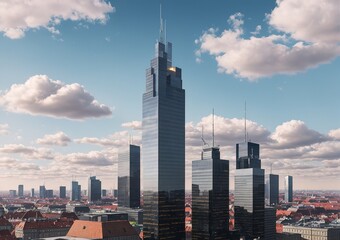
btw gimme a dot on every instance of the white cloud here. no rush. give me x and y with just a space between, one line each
118 139
335 134
312 21
40 95
93 158
259 57
311 36
28 152
135 125
60 139
4 129
294 134
17 16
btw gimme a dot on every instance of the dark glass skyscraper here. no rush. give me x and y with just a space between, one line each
249 191
62 192
129 177
272 189
163 152
21 190
210 196
289 189
75 191
94 189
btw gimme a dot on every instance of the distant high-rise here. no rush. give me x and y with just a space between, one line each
12 193
42 192
289 189
94 189
62 192
104 192
129 177
249 191
272 189
20 190
163 151
75 191
49 193
270 223
32 193
210 196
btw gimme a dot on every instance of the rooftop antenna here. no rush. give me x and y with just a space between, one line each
245 121
204 143
213 128
161 29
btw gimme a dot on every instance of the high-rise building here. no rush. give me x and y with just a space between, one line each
20 190
104 193
94 189
32 193
289 189
42 192
210 196
272 189
163 152
62 192
49 193
12 193
75 191
129 177
269 223
249 191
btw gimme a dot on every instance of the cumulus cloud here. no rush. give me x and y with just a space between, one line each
40 95
4 129
59 139
311 21
135 125
297 49
17 16
29 152
294 134
118 139
335 134
93 158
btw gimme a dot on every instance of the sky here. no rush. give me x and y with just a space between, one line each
72 77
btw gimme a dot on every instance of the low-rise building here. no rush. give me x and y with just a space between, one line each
309 233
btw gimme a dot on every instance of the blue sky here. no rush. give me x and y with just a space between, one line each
291 94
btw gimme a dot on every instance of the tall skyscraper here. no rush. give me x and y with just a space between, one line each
289 189
210 196
163 152
249 191
42 192
94 189
32 193
75 191
272 189
129 177
20 190
62 192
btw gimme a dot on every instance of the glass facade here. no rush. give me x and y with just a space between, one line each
249 191
272 189
129 177
75 191
62 192
289 189
94 189
210 196
163 152
21 190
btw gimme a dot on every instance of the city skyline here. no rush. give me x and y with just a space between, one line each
293 115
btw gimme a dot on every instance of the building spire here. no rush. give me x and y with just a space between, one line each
213 128
161 29
245 121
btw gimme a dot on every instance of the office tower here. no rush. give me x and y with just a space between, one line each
289 189
272 189
129 177
75 191
94 189
32 193
42 192
12 193
163 152
49 193
104 192
210 196
269 223
249 191
62 192
20 190
79 192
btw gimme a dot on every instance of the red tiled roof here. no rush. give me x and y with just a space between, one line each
99 230
43 224
4 222
6 235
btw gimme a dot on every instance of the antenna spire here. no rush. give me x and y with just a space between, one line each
245 121
213 128
161 29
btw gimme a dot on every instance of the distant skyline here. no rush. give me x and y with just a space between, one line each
72 79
